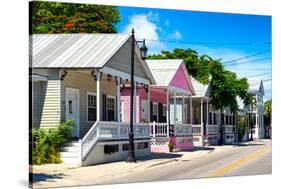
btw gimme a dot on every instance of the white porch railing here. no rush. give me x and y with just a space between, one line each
229 129
212 129
196 130
159 130
89 140
111 131
183 129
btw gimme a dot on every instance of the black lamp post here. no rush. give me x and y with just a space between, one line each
143 50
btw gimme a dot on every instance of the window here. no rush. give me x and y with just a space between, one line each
155 112
110 107
108 149
142 145
92 107
210 118
125 147
215 118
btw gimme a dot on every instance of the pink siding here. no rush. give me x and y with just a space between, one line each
125 97
156 95
187 143
180 80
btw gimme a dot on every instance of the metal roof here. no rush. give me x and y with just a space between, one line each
255 85
200 89
74 50
164 70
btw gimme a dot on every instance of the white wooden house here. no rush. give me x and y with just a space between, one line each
256 90
78 76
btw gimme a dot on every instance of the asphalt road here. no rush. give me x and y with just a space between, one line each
249 159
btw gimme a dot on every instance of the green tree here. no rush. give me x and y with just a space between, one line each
225 87
197 66
55 17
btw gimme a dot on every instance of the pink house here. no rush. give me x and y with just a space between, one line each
166 105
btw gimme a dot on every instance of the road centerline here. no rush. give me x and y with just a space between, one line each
235 164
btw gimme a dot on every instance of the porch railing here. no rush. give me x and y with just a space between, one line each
212 129
111 131
196 129
159 130
183 129
229 129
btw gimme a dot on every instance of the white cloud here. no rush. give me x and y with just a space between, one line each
145 26
175 35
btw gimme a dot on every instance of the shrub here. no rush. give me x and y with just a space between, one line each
171 147
46 144
242 124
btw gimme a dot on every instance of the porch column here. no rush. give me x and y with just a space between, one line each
118 99
201 111
175 108
135 108
168 106
98 96
148 103
207 122
257 107
190 109
202 128
183 109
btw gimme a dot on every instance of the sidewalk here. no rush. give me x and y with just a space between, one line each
55 175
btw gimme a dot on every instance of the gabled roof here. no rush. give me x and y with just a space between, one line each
255 85
164 71
79 51
201 90
74 50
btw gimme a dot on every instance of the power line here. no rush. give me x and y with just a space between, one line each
251 61
209 43
268 73
245 57
251 69
267 80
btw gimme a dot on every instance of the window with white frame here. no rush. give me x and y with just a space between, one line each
155 111
92 106
110 108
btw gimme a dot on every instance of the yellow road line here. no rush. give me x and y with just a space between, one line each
237 163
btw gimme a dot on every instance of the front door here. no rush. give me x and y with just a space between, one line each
144 110
72 108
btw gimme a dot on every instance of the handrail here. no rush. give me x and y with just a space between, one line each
89 140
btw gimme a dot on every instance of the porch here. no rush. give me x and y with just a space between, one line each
205 129
175 127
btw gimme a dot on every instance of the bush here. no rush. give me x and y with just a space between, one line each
242 125
171 147
46 144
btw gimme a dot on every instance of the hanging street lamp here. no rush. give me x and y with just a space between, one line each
143 50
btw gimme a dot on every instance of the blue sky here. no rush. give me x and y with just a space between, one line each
245 35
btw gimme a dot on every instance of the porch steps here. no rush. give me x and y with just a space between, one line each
70 153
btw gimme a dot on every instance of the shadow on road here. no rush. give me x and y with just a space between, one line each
204 148
160 156
252 144
39 177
